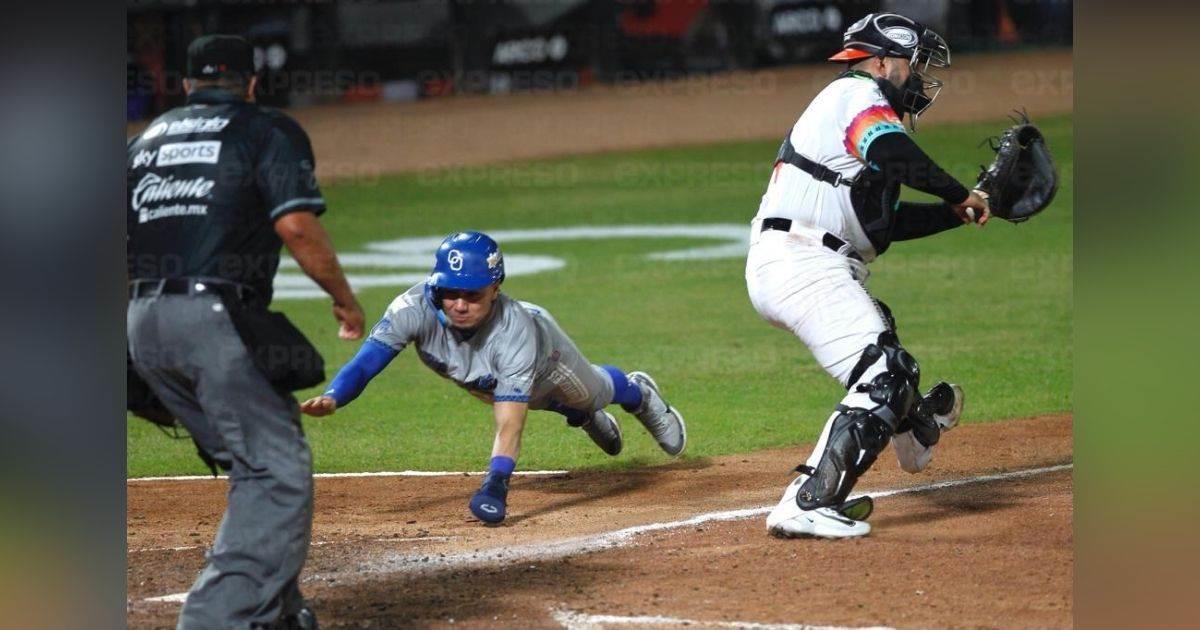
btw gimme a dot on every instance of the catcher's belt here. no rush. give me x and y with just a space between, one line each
828 239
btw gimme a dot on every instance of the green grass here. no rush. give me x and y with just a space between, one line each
990 309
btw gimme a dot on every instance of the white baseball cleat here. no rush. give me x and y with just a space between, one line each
663 421
941 409
941 396
787 520
604 431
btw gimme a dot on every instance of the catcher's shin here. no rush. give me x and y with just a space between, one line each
1022 179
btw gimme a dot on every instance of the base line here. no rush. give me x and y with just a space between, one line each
572 620
315 543
553 550
400 473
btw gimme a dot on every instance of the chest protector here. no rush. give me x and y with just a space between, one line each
873 195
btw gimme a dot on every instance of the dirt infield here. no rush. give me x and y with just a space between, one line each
393 552
397 552
362 141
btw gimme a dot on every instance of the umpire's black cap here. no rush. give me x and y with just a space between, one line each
213 56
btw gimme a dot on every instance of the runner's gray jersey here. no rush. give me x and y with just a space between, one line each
514 356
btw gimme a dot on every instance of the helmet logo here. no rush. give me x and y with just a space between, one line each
859 25
906 37
493 259
455 260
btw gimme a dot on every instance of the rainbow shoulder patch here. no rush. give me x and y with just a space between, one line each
869 124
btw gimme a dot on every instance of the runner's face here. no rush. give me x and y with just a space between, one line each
468 309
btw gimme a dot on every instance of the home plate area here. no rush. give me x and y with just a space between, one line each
984 534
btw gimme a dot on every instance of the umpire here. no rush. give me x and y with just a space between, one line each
215 187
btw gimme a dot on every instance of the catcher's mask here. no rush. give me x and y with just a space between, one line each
893 35
466 261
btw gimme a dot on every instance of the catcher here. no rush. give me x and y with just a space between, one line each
510 354
831 206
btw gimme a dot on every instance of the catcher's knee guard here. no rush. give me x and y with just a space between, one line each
858 433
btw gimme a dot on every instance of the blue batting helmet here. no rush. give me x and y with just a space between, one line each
468 261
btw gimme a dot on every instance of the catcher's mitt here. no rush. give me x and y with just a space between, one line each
1021 180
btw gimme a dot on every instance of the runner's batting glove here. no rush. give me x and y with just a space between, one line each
489 503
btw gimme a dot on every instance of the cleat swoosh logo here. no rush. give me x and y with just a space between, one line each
843 521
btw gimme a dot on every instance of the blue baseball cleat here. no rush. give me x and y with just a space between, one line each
488 505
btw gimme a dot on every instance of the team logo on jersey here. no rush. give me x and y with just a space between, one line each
186 125
153 188
189 153
155 130
197 125
145 157
906 37
382 328
455 258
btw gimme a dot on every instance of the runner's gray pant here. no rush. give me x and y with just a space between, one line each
569 384
188 351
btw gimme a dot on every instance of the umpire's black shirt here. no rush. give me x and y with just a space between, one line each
206 182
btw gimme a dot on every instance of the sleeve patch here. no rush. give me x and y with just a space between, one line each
868 125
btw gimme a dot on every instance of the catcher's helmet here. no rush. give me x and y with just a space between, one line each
467 261
893 35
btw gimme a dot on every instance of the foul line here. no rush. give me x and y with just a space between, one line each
401 473
572 620
410 563
315 543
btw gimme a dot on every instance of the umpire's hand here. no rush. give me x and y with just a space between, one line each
309 244
351 319
319 406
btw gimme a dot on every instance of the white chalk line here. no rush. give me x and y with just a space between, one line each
319 543
399 473
409 563
572 620
174 598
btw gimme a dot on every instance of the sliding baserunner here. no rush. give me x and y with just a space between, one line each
508 353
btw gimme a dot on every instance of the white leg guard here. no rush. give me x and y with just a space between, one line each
912 455
937 412
882 394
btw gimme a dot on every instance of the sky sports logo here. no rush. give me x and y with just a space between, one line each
189 153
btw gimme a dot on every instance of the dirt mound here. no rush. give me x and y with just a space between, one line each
391 552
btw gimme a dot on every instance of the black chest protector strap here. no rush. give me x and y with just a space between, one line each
788 155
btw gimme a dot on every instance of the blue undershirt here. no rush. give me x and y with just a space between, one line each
350 381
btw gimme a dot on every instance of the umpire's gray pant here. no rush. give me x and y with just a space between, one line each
188 351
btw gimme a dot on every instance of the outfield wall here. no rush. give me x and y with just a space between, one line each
369 139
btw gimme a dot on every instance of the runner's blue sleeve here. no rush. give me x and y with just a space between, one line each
350 381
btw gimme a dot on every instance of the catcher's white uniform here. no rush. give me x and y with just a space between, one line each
794 280
801 281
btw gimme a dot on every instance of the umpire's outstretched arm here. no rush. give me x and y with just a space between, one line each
310 245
